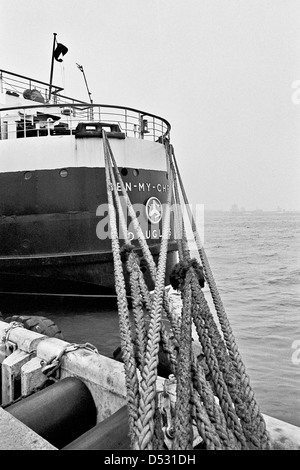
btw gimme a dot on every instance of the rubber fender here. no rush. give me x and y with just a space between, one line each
42 325
59 413
110 434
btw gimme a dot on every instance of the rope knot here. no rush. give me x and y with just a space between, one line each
125 251
198 270
180 270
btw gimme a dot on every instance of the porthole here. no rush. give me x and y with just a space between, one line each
63 173
124 171
135 172
25 244
27 175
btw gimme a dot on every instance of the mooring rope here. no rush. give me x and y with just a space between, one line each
251 418
213 391
216 415
132 385
135 223
149 374
140 236
139 290
167 344
148 365
183 438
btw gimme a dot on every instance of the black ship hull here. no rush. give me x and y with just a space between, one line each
54 236
54 221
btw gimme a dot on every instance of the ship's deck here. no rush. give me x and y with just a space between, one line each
27 111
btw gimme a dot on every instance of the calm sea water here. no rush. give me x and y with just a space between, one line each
255 259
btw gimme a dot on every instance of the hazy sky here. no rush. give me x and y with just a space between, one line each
220 71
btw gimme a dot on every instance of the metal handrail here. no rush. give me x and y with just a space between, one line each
141 123
130 119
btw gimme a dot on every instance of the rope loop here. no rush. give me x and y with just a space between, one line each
75 346
213 394
125 251
180 270
12 325
51 367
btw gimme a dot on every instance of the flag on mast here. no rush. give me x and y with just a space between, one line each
60 50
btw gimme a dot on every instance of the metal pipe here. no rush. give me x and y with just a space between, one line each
52 64
59 413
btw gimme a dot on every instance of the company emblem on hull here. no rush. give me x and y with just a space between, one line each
154 210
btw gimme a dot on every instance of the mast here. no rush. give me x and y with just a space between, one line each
52 64
89 93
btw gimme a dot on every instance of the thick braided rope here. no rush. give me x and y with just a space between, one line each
177 217
226 434
217 425
135 273
133 269
205 428
183 439
212 437
217 342
214 411
221 352
122 221
215 414
140 329
145 249
158 435
138 311
167 344
252 407
252 420
167 347
174 322
180 231
220 386
149 375
227 368
132 385
228 442
213 421
134 220
144 246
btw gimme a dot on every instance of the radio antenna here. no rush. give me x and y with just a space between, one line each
89 93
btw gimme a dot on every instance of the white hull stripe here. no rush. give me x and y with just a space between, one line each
43 153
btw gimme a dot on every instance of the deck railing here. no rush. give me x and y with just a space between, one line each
62 114
41 120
